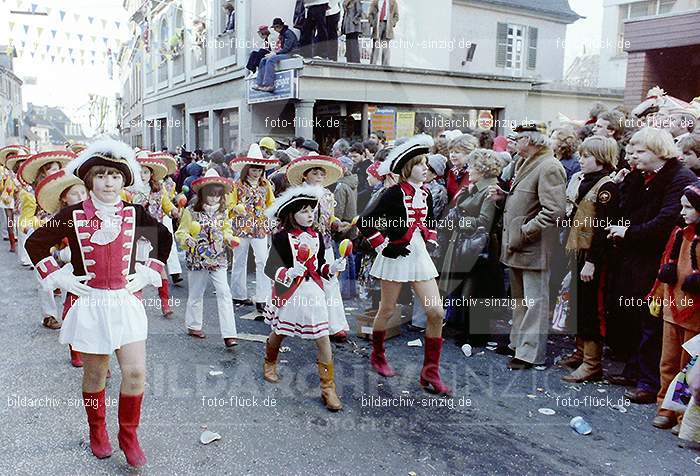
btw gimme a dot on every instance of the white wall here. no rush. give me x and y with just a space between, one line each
478 25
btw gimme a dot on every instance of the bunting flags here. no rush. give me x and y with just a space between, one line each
53 33
62 13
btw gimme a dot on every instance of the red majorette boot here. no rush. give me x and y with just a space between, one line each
430 374
164 293
129 417
95 408
377 358
75 359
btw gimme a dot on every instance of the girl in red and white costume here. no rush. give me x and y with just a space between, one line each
105 283
298 307
402 256
324 171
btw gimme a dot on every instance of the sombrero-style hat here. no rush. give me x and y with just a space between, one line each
158 167
170 162
30 169
10 150
254 157
109 153
398 156
292 195
15 161
297 168
49 190
77 147
212 178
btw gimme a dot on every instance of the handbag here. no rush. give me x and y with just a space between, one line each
469 247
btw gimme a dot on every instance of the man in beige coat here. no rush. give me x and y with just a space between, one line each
533 208
383 17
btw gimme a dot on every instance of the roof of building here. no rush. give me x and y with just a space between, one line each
556 8
584 71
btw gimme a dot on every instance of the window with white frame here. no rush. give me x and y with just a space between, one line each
516 47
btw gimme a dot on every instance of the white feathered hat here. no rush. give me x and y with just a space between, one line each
294 194
398 156
110 153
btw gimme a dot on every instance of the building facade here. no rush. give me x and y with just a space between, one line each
614 43
454 64
10 100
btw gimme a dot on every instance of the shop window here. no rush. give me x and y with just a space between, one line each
229 130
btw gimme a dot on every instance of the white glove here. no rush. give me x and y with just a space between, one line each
142 278
66 280
298 270
64 254
338 266
381 247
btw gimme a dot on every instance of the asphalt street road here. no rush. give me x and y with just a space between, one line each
388 426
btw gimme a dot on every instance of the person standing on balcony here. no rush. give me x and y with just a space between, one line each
286 44
332 21
315 29
383 17
351 28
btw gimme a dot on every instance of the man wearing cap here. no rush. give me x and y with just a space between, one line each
287 43
534 204
257 55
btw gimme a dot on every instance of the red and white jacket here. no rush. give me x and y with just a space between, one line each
401 210
107 264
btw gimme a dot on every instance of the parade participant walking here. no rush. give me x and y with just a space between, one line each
298 266
252 194
33 171
173 264
592 199
153 197
323 171
20 188
107 315
403 255
8 182
205 232
57 191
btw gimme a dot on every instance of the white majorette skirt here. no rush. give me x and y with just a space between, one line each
417 266
334 299
305 314
104 321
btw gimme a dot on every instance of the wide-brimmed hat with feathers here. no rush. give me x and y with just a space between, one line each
398 156
292 195
109 153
